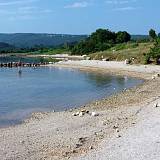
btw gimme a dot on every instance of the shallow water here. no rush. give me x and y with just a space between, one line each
47 89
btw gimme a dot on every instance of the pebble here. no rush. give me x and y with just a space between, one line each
81 114
91 147
77 113
118 136
22 142
115 126
74 114
94 114
157 105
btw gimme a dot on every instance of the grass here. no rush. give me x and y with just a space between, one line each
133 51
51 51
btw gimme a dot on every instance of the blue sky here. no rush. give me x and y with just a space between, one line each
78 16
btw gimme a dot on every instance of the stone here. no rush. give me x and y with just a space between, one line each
94 114
74 114
153 77
115 126
91 147
126 61
77 113
119 136
81 114
157 105
156 76
103 123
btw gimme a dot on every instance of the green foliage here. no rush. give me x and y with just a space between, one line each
122 37
100 40
152 34
32 40
136 52
155 52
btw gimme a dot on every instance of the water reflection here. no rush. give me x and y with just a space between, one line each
47 89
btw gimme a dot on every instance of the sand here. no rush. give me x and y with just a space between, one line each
126 128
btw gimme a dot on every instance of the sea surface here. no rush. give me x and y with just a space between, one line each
50 88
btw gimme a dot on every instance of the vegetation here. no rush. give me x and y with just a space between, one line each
152 34
154 54
102 44
5 47
32 40
135 52
100 40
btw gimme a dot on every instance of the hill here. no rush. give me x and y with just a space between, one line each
32 39
47 40
133 51
5 46
139 37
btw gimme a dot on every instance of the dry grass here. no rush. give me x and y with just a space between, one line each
135 52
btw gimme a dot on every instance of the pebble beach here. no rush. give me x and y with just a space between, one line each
123 124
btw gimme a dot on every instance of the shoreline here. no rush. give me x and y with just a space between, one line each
61 135
111 67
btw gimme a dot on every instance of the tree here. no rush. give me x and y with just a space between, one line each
155 51
100 40
152 34
103 36
122 37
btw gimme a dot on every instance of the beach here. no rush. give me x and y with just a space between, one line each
126 124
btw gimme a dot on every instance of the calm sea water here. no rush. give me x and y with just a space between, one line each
47 89
6 59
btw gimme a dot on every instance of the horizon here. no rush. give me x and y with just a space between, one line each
78 17
67 34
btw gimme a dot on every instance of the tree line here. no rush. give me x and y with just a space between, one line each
100 40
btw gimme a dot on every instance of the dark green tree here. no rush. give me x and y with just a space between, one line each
155 52
103 36
152 34
100 40
122 37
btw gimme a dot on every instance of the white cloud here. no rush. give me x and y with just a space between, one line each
17 2
125 9
78 5
26 11
22 17
116 2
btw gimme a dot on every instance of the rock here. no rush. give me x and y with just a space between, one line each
77 113
118 136
94 114
22 142
87 112
115 126
153 77
81 114
74 114
126 61
84 111
78 145
82 140
157 105
103 123
156 76
91 147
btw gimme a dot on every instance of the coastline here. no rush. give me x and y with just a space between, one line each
61 135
